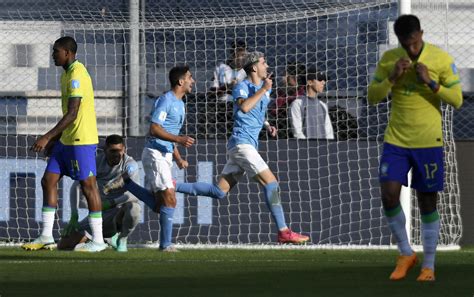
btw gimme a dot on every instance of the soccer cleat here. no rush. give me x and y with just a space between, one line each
288 236
426 275
114 184
169 249
119 243
90 247
42 242
404 263
113 241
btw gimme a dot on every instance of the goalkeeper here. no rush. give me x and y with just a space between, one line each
121 210
420 77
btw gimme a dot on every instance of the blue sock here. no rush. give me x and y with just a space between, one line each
429 234
200 189
272 198
166 224
141 193
396 222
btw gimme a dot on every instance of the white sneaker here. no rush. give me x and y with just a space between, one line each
90 247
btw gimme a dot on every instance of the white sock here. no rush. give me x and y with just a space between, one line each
48 214
95 222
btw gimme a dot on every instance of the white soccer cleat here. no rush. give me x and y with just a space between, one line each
90 247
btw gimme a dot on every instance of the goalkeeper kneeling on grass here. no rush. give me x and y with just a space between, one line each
120 211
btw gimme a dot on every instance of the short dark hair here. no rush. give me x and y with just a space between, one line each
406 25
314 74
114 139
298 70
239 44
67 42
177 73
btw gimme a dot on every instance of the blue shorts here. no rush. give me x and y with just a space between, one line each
75 161
427 165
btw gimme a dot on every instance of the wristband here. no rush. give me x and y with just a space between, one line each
433 86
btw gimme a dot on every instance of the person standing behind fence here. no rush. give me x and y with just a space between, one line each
309 115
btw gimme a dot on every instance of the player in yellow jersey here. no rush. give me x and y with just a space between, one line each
420 77
71 146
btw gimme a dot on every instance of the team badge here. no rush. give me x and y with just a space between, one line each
454 68
75 84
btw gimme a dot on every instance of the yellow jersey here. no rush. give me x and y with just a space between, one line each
415 115
76 83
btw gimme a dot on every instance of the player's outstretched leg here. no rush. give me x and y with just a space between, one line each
200 189
124 181
45 240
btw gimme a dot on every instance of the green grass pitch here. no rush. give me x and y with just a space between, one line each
147 272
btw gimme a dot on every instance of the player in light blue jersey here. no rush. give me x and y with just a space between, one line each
251 98
167 119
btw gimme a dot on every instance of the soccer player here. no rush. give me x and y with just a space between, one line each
420 77
251 98
120 209
167 119
74 154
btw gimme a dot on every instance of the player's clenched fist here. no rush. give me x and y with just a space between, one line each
185 141
402 65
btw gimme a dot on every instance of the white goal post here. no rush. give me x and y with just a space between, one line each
329 188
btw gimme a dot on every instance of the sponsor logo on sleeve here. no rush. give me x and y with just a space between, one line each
162 116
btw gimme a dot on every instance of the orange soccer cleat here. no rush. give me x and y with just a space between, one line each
404 263
426 275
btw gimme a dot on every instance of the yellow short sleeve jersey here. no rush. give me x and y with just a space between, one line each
415 117
76 82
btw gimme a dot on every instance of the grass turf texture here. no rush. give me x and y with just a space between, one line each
147 272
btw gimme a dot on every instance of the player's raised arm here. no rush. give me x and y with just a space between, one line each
448 89
254 62
384 78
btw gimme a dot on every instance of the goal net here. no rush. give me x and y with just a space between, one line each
329 188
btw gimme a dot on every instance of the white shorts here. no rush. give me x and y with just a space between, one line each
157 167
244 158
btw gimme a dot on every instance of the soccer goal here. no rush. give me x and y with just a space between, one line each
329 188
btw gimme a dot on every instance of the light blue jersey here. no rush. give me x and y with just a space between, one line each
247 126
169 113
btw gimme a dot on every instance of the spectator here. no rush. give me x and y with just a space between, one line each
228 74
309 115
290 87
